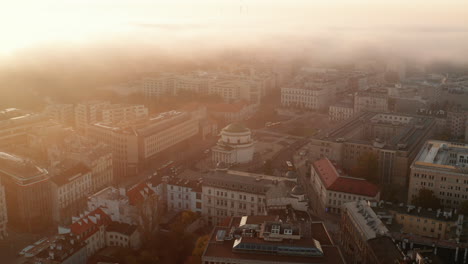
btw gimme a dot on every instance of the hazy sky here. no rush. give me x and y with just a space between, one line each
441 25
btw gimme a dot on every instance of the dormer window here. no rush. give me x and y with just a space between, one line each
288 231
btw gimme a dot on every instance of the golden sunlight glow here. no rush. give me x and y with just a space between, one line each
26 23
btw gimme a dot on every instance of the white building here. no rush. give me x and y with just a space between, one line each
234 146
339 112
183 194
69 189
332 188
123 235
91 228
3 212
305 97
88 113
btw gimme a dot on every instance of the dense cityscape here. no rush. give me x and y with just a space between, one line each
236 158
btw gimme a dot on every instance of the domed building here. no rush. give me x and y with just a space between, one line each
234 146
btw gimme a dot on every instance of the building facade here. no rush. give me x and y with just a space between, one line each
184 195
88 113
456 122
443 168
62 113
339 112
15 124
310 98
371 101
332 188
235 145
3 212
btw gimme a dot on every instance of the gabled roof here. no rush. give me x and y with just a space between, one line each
333 181
139 193
87 225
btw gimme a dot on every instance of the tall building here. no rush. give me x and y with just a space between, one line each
62 113
135 143
267 239
15 124
441 167
234 146
88 113
3 212
394 138
27 192
332 188
306 97
456 122
70 188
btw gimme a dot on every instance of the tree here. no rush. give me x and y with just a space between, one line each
463 209
426 199
199 248
149 212
367 167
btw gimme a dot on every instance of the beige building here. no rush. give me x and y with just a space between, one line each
339 112
332 188
3 212
136 142
443 168
15 124
120 112
62 113
306 97
394 138
456 122
27 193
70 189
371 101
234 146
88 113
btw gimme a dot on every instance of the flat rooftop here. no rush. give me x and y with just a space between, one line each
443 155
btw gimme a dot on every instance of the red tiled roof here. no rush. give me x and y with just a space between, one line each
85 226
333 181
139 192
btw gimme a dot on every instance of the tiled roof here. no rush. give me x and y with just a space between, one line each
333 181
139 193
88 224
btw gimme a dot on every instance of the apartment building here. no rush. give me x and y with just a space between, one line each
340 111
87 113
457 119
371 101
91 229
184 194
363 236
122 112
332 188
70 189
62 113
58 249
441 167
3 212
394 138
135 143
268 239
305 97
123 235
27 193
15 124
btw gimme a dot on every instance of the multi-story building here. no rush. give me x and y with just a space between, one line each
363 236
456 122
3 212
135 143
91 229
62 113
184 195
234 146
332 187
441 167
305 97
69 189
88 113
235 193
120 112
158 86
371 101
267 239
340 111
27 192
123 235
394 138
15 124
